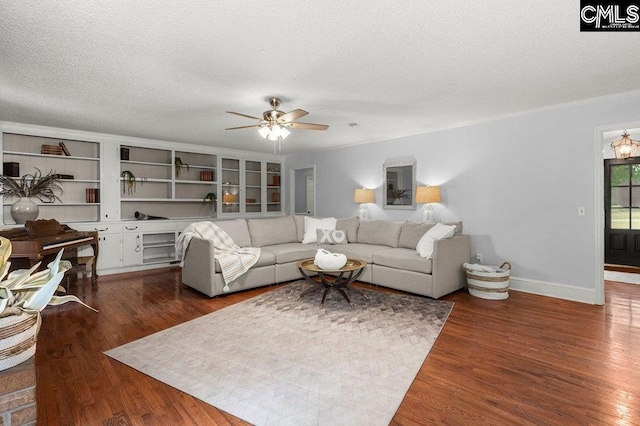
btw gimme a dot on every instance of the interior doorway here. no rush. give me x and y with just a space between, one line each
621 209
622 212
303 191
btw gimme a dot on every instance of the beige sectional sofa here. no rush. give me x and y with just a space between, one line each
388 247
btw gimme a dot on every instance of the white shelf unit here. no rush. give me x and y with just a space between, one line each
274 188
254 186
83 164
253 171
230 186
163 190
158 247
196 180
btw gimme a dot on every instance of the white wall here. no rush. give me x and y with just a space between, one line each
301 189
516 183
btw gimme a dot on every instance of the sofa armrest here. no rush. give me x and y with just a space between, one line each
448 256
199 266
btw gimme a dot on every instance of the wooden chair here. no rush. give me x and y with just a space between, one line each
82 264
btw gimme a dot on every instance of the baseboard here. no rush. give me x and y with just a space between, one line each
560 291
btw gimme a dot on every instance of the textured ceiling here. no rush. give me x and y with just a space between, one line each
169 69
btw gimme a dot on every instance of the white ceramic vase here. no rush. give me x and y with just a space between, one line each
23 210
329 261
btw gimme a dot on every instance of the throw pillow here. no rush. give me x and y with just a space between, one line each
327 236
439 231
311 225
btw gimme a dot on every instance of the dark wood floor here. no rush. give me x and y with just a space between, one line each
527 360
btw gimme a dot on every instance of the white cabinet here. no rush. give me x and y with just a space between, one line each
110 251
78 164
131 244
110 183
250 187
166 183
109 244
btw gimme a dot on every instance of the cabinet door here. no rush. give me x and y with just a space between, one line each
254 186
110 254
274 188
230 186
131 249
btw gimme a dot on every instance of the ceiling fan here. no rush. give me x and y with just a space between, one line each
274 123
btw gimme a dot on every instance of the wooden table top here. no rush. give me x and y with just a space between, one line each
351 265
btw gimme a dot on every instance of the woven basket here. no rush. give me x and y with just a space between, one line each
490 285
18 335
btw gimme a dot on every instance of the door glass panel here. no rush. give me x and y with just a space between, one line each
619 218
619 175
635 174
635 196
635 218
620 196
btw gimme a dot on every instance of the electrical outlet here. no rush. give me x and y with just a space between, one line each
479 257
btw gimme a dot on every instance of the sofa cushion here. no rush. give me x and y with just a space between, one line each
357 250
403 258
299 220
412 232
291 252
237 230
380 232
266 258
328 236
350 226
266 232
312 224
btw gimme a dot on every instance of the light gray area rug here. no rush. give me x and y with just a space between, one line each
276 359
622 277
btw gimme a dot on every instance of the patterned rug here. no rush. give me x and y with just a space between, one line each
280 359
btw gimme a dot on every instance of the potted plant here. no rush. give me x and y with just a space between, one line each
129 181
23 294
397 195
179 165
209 200
32 185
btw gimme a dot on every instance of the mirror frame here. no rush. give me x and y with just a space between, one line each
395 163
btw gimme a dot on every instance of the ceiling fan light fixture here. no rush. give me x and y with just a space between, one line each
275 124
264 131
284 132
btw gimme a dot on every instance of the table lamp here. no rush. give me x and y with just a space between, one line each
363 196
428 195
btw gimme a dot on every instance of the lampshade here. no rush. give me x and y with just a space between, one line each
228 198
428 194
264 131
625 147
273 132
363 195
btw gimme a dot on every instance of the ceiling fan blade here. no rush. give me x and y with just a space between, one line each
292 115
307 126
244 127
244 115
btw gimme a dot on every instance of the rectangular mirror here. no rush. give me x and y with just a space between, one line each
399 184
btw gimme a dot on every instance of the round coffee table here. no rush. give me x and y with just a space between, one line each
338 279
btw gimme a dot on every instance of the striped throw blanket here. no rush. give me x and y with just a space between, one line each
234 260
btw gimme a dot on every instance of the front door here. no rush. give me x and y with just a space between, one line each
622 212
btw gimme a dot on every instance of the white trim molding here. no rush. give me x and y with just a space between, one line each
560 291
